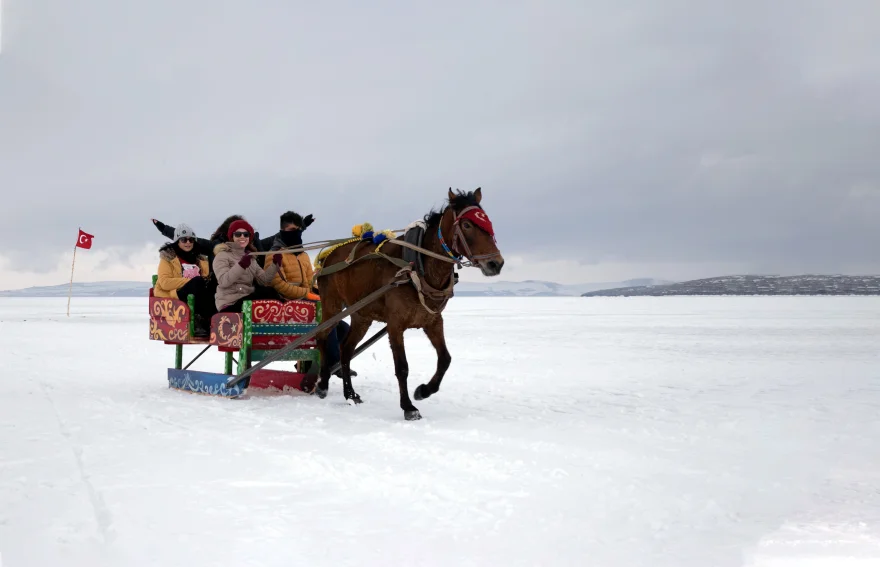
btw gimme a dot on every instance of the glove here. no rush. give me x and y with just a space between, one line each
276 259
313 296
245 261
307 221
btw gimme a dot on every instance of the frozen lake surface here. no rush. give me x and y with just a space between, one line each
568 431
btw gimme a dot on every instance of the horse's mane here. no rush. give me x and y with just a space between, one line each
462 199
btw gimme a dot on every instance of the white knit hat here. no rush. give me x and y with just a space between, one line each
182 231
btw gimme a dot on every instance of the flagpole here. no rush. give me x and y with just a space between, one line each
70 290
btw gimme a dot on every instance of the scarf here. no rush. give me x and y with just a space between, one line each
289 238
191 257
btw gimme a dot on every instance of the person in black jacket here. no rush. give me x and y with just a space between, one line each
219 236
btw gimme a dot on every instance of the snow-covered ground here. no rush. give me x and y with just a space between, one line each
644 431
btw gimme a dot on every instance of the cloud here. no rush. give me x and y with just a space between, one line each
679 133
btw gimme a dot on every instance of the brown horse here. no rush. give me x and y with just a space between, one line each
460 229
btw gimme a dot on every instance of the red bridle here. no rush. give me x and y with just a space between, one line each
477 216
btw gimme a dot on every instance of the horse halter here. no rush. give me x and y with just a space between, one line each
478 217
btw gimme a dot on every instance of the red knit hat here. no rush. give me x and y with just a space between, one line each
239 224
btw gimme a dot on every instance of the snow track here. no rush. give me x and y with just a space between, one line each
640 431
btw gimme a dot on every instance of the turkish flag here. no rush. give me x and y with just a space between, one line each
84 240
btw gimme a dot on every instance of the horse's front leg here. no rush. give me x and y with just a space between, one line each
444 359
401 370
359 328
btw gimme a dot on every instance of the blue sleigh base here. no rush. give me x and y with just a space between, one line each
262 381
208 383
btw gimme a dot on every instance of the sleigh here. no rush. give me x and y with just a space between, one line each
263 326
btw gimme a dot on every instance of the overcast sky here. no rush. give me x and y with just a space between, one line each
671 139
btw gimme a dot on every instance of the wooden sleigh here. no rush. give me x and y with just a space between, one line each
263 326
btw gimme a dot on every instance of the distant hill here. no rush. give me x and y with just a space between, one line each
86 289
755 285
531 288
538 288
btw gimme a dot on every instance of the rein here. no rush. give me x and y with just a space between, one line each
452 255
316 245
423 289
321 244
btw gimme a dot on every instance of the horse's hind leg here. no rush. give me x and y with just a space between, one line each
401 370
359 328
323 384
435 335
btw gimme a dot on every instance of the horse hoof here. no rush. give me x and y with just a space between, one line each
308 384
354 400
412 415
421 393
321 393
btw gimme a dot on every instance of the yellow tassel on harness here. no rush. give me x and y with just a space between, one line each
357 231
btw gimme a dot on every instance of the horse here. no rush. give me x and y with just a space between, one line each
460 229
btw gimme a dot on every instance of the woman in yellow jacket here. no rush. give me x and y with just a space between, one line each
182 272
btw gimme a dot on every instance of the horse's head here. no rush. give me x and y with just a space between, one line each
473 235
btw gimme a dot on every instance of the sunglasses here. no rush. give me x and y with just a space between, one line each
241 234
187 240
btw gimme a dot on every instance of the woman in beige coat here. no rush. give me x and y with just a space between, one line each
239 278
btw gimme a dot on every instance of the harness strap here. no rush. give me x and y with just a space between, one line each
351 259
423 288
422 251
333 268
406 270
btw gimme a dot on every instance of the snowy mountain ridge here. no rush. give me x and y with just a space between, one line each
539 288
807 284
85 289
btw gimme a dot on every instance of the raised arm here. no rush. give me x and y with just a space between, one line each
167 231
